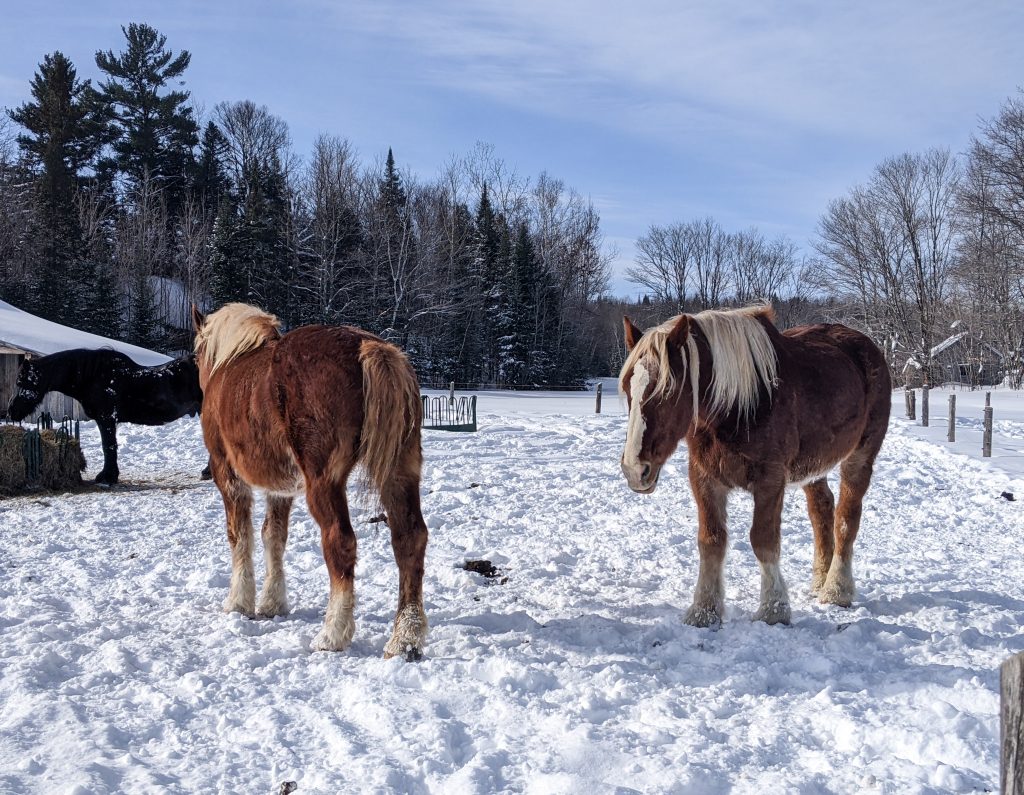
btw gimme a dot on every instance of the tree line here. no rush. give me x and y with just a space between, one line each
118 208
930 245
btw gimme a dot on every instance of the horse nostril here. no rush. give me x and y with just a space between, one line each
646 472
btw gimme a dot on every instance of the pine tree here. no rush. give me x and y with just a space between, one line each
227 276
392 192
64 127
142 327
211 181
488 276
155 130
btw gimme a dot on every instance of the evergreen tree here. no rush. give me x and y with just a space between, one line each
227 277
154 128
63 132
142 328
211 182
488 277
392 191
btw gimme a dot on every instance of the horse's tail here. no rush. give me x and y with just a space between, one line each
392 412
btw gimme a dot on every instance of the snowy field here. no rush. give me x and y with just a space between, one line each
120 673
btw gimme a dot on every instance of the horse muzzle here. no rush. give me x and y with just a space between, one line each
642 476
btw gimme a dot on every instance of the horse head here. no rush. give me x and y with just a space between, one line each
661 407
184 383
29 391
229 332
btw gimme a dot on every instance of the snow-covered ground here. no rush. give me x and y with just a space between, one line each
119 672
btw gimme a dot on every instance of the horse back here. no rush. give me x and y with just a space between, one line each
839 384
293 405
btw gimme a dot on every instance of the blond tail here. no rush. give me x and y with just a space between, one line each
392 413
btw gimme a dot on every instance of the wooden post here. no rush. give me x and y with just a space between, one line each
913 404
451 393
1011 725
988 399
597 410
906 400
986 444
924 405
951 433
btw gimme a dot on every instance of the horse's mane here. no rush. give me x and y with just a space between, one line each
742 358
232 330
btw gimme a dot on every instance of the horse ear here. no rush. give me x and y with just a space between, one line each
197 318
680 331
632 333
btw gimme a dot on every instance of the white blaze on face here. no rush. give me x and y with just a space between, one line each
636 427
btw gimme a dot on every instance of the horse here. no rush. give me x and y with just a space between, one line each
297 412
760 410
111 388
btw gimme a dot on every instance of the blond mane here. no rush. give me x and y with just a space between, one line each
742 358
232 330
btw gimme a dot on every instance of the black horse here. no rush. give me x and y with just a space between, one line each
111 388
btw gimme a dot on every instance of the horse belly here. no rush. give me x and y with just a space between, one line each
274 473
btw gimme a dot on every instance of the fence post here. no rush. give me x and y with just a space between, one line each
451 393
986 443
988 399
906 400
1011 725
951 434
597 409
913 404
924 405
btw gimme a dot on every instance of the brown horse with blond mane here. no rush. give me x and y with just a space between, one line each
296 413
760 410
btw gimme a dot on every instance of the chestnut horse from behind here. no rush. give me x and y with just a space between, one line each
296 413
760 410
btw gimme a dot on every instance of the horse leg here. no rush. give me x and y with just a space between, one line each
274 598
821 510
108 440
712 540
855 474
401 501
328 505
237 496
766 540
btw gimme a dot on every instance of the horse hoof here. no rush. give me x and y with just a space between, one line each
272 609
410 653
231 606
331 641
773 614
703 617
834 596
837 591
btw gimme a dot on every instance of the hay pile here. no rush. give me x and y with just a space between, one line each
60 469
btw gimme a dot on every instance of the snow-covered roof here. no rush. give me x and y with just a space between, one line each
19 329
946 343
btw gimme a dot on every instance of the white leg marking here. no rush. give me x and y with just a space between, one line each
708 598
410 632
274 599
242 595
839 587
339 625
774 607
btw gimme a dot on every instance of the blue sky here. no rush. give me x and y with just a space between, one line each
755 113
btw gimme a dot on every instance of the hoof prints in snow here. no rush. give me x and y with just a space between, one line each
120 673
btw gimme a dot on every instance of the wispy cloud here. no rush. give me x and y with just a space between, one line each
678 69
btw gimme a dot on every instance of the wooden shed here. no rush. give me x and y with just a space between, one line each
964 359
22 334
